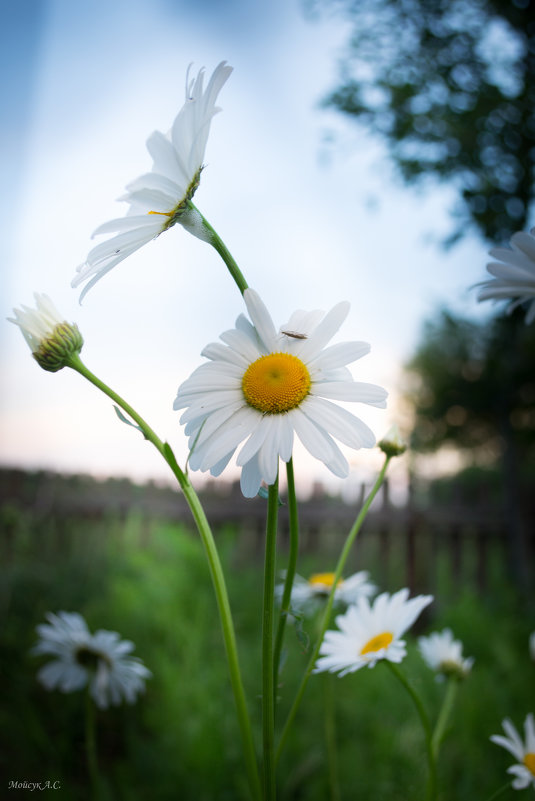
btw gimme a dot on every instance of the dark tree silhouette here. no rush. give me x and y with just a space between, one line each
450 87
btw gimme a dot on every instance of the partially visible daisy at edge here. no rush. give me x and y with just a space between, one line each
308 594
514 274
161 198
264 386
100 660
523 751
369 633
444 655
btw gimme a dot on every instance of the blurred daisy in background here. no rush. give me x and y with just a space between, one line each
264 386
523 751
514 274
82 659
308 595
443 654
369 633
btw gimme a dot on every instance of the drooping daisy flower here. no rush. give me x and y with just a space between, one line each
514 273
444 654
50 338
524 752
264 385
161 198
370 633
308 595
99 660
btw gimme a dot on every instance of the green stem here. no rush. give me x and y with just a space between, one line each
330 601
432 783
91 745
500 792
268 694
330 736
219 245
214 563
444 714
290 572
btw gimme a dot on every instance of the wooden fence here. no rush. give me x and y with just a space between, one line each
418 545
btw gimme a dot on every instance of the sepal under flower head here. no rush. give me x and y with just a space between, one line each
51 339
392 444
522 750
99 660
444 654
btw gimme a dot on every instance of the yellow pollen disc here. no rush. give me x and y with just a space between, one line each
529 762
376 643
324 579
276 383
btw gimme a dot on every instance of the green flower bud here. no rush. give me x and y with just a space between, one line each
51 339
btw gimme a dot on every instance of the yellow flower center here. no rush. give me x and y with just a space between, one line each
276 383
529 762
323 579
376 643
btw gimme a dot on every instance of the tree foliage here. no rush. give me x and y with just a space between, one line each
450 86
475 386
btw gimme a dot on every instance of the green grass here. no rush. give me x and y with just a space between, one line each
181 740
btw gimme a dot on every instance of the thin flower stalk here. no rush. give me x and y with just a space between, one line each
214 563
330 601
215 240
290 571
268 684
444 714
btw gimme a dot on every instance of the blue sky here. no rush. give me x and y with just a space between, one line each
305 202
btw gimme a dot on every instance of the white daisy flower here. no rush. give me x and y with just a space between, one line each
308 594
99 660
161 198
524 752
444 654
264 385
50 338
514 274
370 633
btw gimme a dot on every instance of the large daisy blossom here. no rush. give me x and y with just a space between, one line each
368 633
523 751
308 594
99 660
444 654
514 274
160 198
264 386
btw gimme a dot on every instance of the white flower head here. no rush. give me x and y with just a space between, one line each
99 660
514 274
444 654
523 751
161 198
50 338
368 633
309 594
264 386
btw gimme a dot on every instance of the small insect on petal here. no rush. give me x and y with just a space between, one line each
294 334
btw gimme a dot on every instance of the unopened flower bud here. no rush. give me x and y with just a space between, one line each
392 443
51 339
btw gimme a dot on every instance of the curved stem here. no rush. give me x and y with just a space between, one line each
290 572
432 785
91 745
268 694
214 563
330 736
219 245
444 714
500 791
330 601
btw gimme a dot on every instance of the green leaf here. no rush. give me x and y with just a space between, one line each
263 493
128 422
